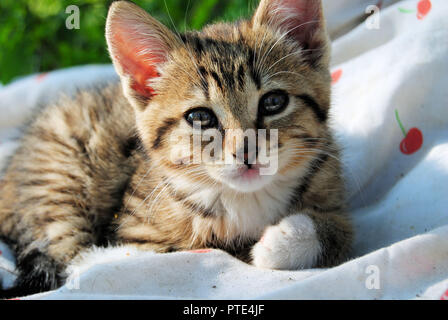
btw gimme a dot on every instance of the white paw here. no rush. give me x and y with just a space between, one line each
291 245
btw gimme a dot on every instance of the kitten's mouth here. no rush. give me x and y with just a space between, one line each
248 178
249 173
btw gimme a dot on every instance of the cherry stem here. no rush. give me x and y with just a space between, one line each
401 124
403 10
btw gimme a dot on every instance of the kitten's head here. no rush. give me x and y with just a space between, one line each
230 81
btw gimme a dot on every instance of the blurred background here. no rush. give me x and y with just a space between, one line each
34 37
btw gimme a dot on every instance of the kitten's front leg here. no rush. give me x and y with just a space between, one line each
304 240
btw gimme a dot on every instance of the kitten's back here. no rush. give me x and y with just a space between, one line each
72 167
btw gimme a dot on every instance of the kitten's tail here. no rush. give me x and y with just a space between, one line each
21 288
15 292
28 283
5 293
10 294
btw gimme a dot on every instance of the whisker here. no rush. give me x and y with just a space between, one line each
285 72
147 198
306 152
281 38
190 53
136 187
193 173
281 59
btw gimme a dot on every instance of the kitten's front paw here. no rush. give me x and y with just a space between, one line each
291 245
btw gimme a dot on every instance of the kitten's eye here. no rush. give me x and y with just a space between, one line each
273 103
204 116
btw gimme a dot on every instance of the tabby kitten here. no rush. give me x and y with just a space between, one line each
100 169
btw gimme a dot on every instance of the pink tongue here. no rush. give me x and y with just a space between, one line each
250 174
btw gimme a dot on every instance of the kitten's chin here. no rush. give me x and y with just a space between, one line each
248 180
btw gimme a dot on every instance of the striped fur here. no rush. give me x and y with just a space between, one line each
95 170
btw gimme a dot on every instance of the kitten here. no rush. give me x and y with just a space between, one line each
101 168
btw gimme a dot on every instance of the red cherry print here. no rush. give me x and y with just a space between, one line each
413 140
423 7
444 296
41 77
201 251
380 4
336 75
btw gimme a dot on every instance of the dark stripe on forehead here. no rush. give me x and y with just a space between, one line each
194 42
198 45
252 68
218 81
204 81
241 78
183 38
321 115
228 75
162 131
218 44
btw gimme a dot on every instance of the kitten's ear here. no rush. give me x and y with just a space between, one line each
138 45
302 20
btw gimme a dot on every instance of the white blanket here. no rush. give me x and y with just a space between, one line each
398 187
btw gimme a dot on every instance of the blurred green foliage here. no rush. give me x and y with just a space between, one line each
34 37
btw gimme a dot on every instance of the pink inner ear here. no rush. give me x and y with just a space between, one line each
134 55
297 5
300 17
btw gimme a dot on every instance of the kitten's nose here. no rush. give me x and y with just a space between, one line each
246 153
249 158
